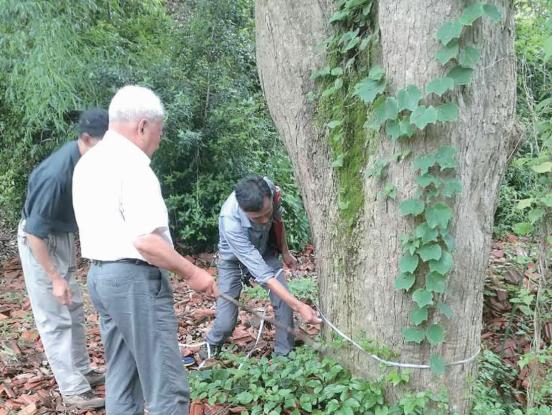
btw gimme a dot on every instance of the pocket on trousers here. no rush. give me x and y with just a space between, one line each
117 283
155 287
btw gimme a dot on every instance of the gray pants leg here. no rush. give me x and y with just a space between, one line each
61 327
229 283
139 333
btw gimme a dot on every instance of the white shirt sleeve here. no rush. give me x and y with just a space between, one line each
142 205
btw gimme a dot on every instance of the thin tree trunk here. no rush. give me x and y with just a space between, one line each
357 271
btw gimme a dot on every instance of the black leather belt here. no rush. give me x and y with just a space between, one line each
134 261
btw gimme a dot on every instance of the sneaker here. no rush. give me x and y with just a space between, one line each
86 400
95 377
208 351
188 361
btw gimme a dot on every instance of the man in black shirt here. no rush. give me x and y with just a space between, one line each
47 250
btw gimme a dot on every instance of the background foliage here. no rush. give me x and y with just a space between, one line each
57 58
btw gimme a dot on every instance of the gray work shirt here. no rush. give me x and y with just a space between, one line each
48 205
241 240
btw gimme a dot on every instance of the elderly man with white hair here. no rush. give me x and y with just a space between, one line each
124 231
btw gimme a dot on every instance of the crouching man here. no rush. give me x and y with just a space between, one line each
251 237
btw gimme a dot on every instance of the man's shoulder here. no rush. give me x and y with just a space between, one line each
229 213
58 161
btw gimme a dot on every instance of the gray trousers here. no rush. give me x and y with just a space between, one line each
61 327
229 283
139 332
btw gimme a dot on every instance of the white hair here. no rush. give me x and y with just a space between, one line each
133 102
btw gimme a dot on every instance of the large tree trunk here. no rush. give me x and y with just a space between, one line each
357 272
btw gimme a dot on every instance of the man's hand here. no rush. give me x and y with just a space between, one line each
61 290
289 260
308 314
212 290
202 281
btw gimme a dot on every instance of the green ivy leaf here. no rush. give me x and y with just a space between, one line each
380 410
438 214
320 73
449 31
469 56
338 161
422 116
546 200
525 203
351 44
339 16
365 43
443 266
449 240
424 163
337 71
408 263
404 281
437 364
347 37
413 334
245 397
445 310
523 228
545 167
447 112
328 92
406 128
444 157
377 168
435 282
447 52
393 129
409 97
412 207
426 233
430 252
460 75
471 14
383 110
422 297
419 315
440 85
368 89
428 179
376 73
535 215
435 334
334 124
492 12
336 138
451 187
390 191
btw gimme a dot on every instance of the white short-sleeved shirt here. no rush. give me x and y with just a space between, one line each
116 198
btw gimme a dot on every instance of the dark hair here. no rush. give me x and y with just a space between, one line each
94 122
251 192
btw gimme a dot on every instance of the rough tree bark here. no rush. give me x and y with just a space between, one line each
357 278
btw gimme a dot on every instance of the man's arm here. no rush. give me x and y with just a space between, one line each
47 195
60 286
250 256
158 252
307 313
